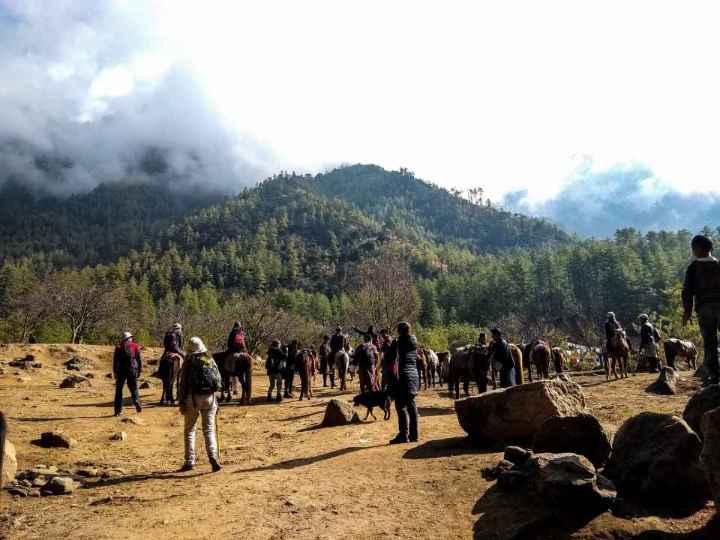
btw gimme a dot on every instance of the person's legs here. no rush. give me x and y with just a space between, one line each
209 415
133 387
413 417
401 406
271 386
709 320
191 415
119 383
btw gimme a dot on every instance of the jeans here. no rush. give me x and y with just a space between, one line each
275 380
367 379
289 378
120 380
207 407
407 410
709 321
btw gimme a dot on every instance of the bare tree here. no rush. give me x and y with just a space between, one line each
86 302
385 292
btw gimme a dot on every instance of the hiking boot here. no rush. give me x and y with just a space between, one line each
413 439
187 467
138 408
215 465
399 439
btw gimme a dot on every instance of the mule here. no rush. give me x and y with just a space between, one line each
169 368
679 348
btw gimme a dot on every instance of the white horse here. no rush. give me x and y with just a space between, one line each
433 365
342 364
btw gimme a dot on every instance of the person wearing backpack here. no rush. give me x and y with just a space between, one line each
275 367
127 366
199 380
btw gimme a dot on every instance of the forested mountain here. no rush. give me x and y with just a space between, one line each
397 198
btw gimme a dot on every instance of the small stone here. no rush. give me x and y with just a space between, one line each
75 381
39 481
120 436
88 472
339 413
134 420
60 485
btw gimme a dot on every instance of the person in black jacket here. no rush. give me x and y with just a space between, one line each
701 290
127 366
501 355
290 367
406 384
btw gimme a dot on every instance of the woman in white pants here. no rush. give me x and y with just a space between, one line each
199 380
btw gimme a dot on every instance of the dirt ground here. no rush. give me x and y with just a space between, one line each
282 477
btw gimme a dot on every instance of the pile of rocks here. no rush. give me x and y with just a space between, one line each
42 481
25 363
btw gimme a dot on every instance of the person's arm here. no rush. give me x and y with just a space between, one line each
139 359
688 294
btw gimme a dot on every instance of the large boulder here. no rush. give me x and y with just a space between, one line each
9 464
582 434
565 485
701 402
75 381
518 412
710 457
657 456
339 413
666 383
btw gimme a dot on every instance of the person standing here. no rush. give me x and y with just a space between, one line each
199 380
389 374
649 337
701 291
170 361
236 339
503 357
127 366
291 367
275 367
482 362
404 389
366 355
324 354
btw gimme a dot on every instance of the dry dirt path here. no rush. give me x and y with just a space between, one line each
282 477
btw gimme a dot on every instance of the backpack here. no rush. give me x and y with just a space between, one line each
204 377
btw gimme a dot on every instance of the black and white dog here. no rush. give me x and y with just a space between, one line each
370 400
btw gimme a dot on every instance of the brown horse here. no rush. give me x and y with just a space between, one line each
444 368
679 348
465 367
518 359
235 365
422 367
537 353
618 352
558 357
169 368
306 368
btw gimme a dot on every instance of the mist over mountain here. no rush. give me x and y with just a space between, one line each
596 204
91 93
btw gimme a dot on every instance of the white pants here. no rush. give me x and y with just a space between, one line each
205 406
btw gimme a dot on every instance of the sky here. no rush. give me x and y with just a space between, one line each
529 100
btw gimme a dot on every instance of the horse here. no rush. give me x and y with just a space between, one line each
433 364
422 367
444 368
306 368
169 368
679 348
537 352
558 357
618 351
463 367
342 363
518 360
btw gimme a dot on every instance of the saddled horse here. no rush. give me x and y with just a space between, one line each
305 363
169 369
680 348
342 363
537 353
235 365
618 352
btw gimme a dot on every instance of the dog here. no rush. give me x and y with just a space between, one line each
370 400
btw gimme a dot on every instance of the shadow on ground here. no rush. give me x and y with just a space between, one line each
302 462
453 446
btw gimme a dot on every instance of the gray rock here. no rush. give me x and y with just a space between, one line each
657 456
699 403
517 413
710 457
120 436
77 363
666 383
75 381
517 455
339 413
582 434
56 439
60 485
